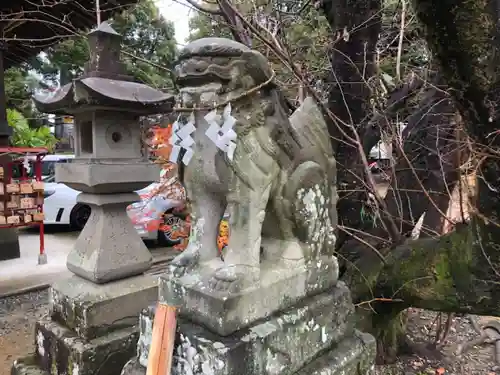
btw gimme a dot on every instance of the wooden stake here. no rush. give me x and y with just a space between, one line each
162 343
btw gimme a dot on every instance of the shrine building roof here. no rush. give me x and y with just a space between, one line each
29 26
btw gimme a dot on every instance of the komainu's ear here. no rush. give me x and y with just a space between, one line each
257 66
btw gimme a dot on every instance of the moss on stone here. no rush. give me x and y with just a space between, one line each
70 365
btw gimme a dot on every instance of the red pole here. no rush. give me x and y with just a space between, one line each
38 176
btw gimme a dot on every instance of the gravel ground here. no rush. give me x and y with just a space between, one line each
421 328
18 316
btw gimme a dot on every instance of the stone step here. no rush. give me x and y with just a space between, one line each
353 356
279 345
60 351
27 366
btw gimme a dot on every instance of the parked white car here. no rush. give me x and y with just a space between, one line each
62 208
48 165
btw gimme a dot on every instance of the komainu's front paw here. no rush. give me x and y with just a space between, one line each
233 279
184 262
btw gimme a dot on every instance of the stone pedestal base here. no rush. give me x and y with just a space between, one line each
92 328
92 310
352 356
313 336
108 248
225 313
60 351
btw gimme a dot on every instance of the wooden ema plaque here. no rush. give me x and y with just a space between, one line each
26 188
12 188
21 190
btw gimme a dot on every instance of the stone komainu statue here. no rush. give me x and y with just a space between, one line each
279 187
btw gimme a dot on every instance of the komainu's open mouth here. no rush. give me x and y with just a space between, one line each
199 79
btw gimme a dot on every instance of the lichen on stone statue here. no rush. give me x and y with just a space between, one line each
278 186
190 359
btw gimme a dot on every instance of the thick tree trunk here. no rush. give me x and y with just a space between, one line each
428 155
460 271
464 38
240 32
426 169
449 274
425 173
356 26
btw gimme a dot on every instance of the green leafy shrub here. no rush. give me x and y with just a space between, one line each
24 136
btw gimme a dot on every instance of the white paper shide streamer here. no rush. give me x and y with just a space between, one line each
222 136
181 139
26 164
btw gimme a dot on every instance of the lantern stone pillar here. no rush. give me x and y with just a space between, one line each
92 325
9 239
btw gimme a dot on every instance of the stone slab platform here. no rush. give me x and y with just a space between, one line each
59 351
354 355
93 310
225 313
279 345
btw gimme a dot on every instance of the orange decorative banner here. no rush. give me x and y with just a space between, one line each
160 141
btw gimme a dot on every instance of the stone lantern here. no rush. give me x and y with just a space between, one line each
110 162
92 326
